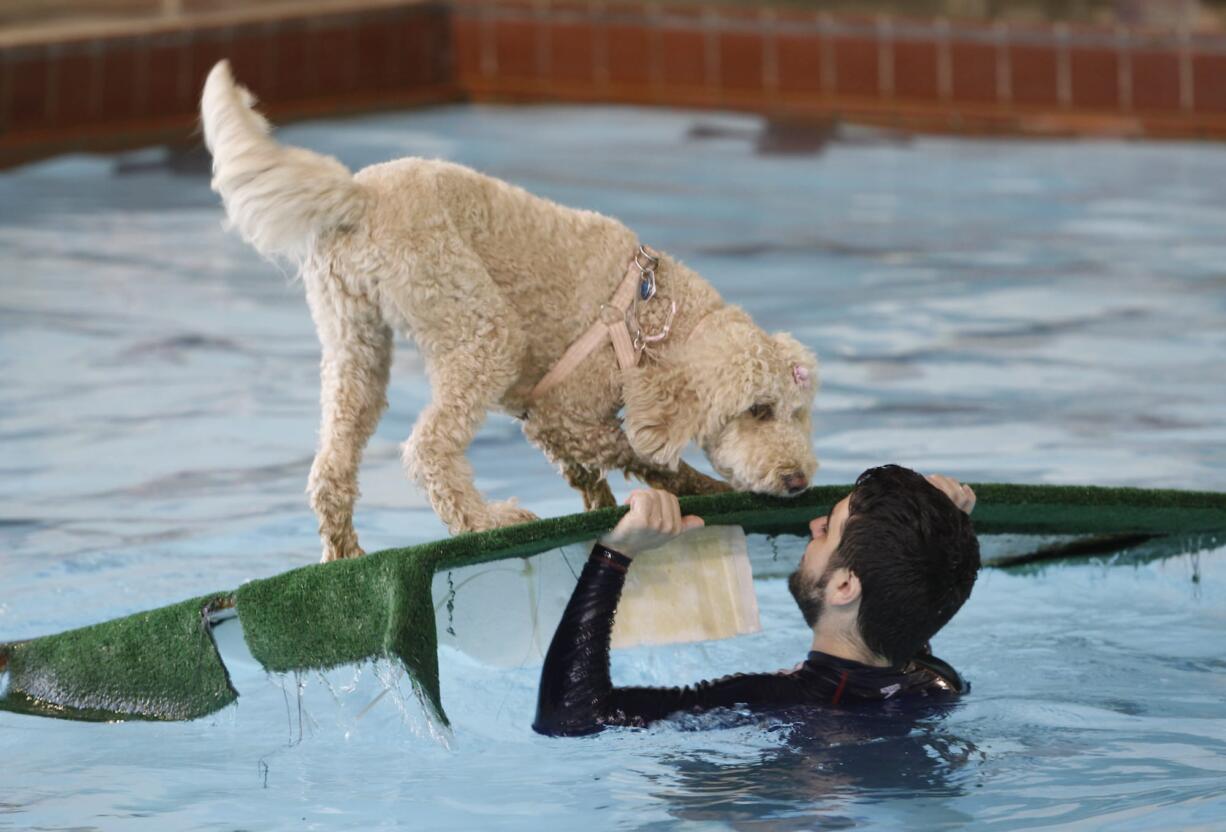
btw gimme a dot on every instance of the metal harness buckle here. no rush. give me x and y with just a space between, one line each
647 264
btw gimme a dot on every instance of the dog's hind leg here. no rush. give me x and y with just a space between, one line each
356 359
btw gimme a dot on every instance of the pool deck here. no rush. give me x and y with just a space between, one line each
107 85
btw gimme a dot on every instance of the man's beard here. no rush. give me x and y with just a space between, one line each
808 595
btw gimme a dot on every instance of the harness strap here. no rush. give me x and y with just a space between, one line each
610 324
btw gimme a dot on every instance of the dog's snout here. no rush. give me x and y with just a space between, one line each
795 482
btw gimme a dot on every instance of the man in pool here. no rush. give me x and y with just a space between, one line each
882 573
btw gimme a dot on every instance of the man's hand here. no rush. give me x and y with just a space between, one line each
653 520
962 495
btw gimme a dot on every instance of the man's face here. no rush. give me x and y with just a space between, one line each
808 583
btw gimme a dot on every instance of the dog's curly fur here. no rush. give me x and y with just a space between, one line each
493 284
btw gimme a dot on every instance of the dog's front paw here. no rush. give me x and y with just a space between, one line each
508 513
685 481
696 482
332 553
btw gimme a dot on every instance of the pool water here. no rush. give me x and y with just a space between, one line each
995 310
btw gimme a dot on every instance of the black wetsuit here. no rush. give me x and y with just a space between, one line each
577 697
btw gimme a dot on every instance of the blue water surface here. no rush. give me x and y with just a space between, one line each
1046 312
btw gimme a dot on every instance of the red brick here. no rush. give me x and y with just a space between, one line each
1033 74
855 61
682 57
74 72
682 14
626 11
297 62
411 56
119 62
427 48
800 62
247 50
467 39
740 61
164 94
515 44
406 64
973 72
915 70
29 76
376 45
630 58
441 71
207 48
786 15
1209 83
740 15
572 49
337 72
1095 75
1155 80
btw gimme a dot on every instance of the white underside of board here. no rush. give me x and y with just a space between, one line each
696 588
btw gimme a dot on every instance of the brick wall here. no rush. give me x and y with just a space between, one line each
96 91
100 92
927 75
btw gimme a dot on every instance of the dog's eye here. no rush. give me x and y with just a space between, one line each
762 412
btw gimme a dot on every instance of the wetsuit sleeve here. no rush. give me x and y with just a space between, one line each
576 694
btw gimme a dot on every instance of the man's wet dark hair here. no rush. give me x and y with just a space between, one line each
916 556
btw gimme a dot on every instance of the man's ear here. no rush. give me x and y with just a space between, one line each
662 413
843 588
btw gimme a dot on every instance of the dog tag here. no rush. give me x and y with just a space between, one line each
647 286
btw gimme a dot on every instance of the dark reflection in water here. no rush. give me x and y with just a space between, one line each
824 757
193 160
796 135
175 348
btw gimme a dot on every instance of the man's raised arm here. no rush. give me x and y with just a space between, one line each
575 685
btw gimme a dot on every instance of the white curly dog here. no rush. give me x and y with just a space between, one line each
494 285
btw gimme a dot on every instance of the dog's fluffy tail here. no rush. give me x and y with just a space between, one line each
279 198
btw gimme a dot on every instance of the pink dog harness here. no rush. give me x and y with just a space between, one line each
618 321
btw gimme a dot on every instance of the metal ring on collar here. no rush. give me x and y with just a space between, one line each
653 262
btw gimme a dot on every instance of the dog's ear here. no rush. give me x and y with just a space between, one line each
804 366
662 413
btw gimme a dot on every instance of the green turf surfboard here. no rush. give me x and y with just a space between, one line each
164 665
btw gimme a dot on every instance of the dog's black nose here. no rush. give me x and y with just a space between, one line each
795 483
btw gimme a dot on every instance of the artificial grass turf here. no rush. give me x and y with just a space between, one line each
160 664
163 664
